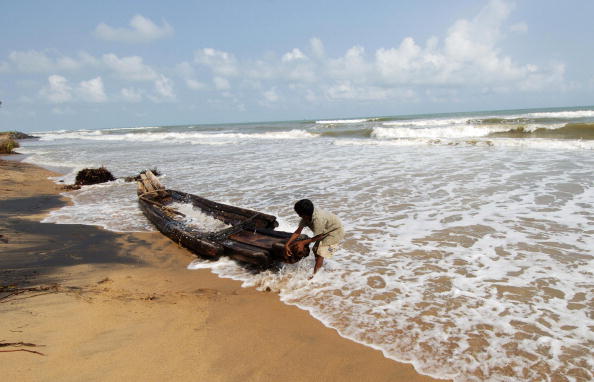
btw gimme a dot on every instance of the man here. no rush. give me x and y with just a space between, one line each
326 227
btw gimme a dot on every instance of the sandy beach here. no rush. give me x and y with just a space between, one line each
103 306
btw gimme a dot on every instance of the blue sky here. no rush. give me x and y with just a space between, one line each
75 64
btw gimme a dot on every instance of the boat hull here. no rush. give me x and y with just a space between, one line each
254 241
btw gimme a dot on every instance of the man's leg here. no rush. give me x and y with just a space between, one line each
319 262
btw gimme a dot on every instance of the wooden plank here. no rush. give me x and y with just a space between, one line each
140 188
147 183
257 254
256 239
161 206
154 181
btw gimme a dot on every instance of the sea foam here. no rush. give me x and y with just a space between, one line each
470 258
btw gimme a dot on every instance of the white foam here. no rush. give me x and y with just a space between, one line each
459 259
465 130
343 121
197 219
427 122
132 128
112 205
40 158
563 114
455 131
528 143
177 137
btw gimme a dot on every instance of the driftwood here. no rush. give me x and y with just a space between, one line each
136 178
19 345
154 181
147 184
14 291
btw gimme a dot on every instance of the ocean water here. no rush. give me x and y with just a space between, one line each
470 236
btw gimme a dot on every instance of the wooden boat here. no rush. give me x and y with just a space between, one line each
251 237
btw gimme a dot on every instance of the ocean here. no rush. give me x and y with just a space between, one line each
470 236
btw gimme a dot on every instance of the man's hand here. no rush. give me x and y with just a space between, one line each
298 247
288 252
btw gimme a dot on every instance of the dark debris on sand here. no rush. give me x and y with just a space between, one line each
90 176
137 177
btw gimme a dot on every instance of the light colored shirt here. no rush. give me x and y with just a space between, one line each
323 221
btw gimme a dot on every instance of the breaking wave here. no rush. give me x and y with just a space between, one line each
175 137
344 121
569 131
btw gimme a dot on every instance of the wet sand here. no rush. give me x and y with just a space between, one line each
105 306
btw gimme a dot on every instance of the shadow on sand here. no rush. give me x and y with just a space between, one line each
33 249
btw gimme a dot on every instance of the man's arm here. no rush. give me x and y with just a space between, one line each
293 237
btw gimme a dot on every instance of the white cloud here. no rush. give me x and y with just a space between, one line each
467 55
195 85
4 67
33 61
142 30
310 96
396 64
85 59
221 83
92 90
269 69
351 66
131 68
542 80
58 90
187 72
221 63
303 73
294 55
62 110
317 47
163 89
271 96
131 95
347 90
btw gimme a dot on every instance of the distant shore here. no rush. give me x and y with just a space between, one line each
9 141
82 303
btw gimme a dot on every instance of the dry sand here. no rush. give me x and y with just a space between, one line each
104 306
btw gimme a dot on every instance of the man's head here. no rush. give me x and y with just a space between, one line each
304 209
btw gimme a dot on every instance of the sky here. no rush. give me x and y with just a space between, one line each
90 65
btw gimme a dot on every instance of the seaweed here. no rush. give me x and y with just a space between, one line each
7 145
88 176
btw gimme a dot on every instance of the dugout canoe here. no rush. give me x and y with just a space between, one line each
251 238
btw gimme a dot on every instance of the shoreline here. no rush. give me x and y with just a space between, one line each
123 305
